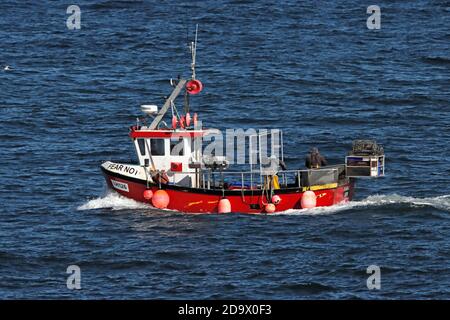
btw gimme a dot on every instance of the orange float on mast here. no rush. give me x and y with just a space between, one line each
195 120
174 122
194 86
188 119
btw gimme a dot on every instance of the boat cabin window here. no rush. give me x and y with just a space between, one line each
141 144
157 147
176 147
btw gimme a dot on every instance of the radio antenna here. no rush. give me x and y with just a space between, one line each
193 48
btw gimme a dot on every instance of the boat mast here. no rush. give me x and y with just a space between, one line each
193 48
180 85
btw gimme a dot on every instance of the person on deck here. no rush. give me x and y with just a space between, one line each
274 164
314 159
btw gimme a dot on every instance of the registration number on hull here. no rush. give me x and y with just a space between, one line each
120 185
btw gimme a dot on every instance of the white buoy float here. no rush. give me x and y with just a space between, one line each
224 206
269 208
276 199
309 200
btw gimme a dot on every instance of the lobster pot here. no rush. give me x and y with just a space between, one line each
364 166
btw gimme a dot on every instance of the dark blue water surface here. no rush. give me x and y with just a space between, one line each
312 68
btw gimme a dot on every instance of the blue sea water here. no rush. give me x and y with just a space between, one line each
312 68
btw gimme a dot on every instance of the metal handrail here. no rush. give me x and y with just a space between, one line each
328 168
209 177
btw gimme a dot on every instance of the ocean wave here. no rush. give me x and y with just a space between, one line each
437 60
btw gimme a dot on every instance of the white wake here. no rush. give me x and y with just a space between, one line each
439 202
114 201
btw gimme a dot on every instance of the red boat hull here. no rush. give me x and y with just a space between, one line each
191 200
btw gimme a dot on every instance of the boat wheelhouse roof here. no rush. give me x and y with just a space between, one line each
144 132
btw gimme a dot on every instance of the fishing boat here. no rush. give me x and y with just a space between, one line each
174 172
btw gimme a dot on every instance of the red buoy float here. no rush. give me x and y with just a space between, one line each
269 208
194 86
309 200
174 122
224 206
183 122
160 199
276 199
148 194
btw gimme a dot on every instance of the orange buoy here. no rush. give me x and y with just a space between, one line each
188 119
224 206
276 199
195 120
269 208
160 199
309 200
194 86
148 194
183 122
174 122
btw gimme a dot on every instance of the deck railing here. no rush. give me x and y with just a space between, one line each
210 179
